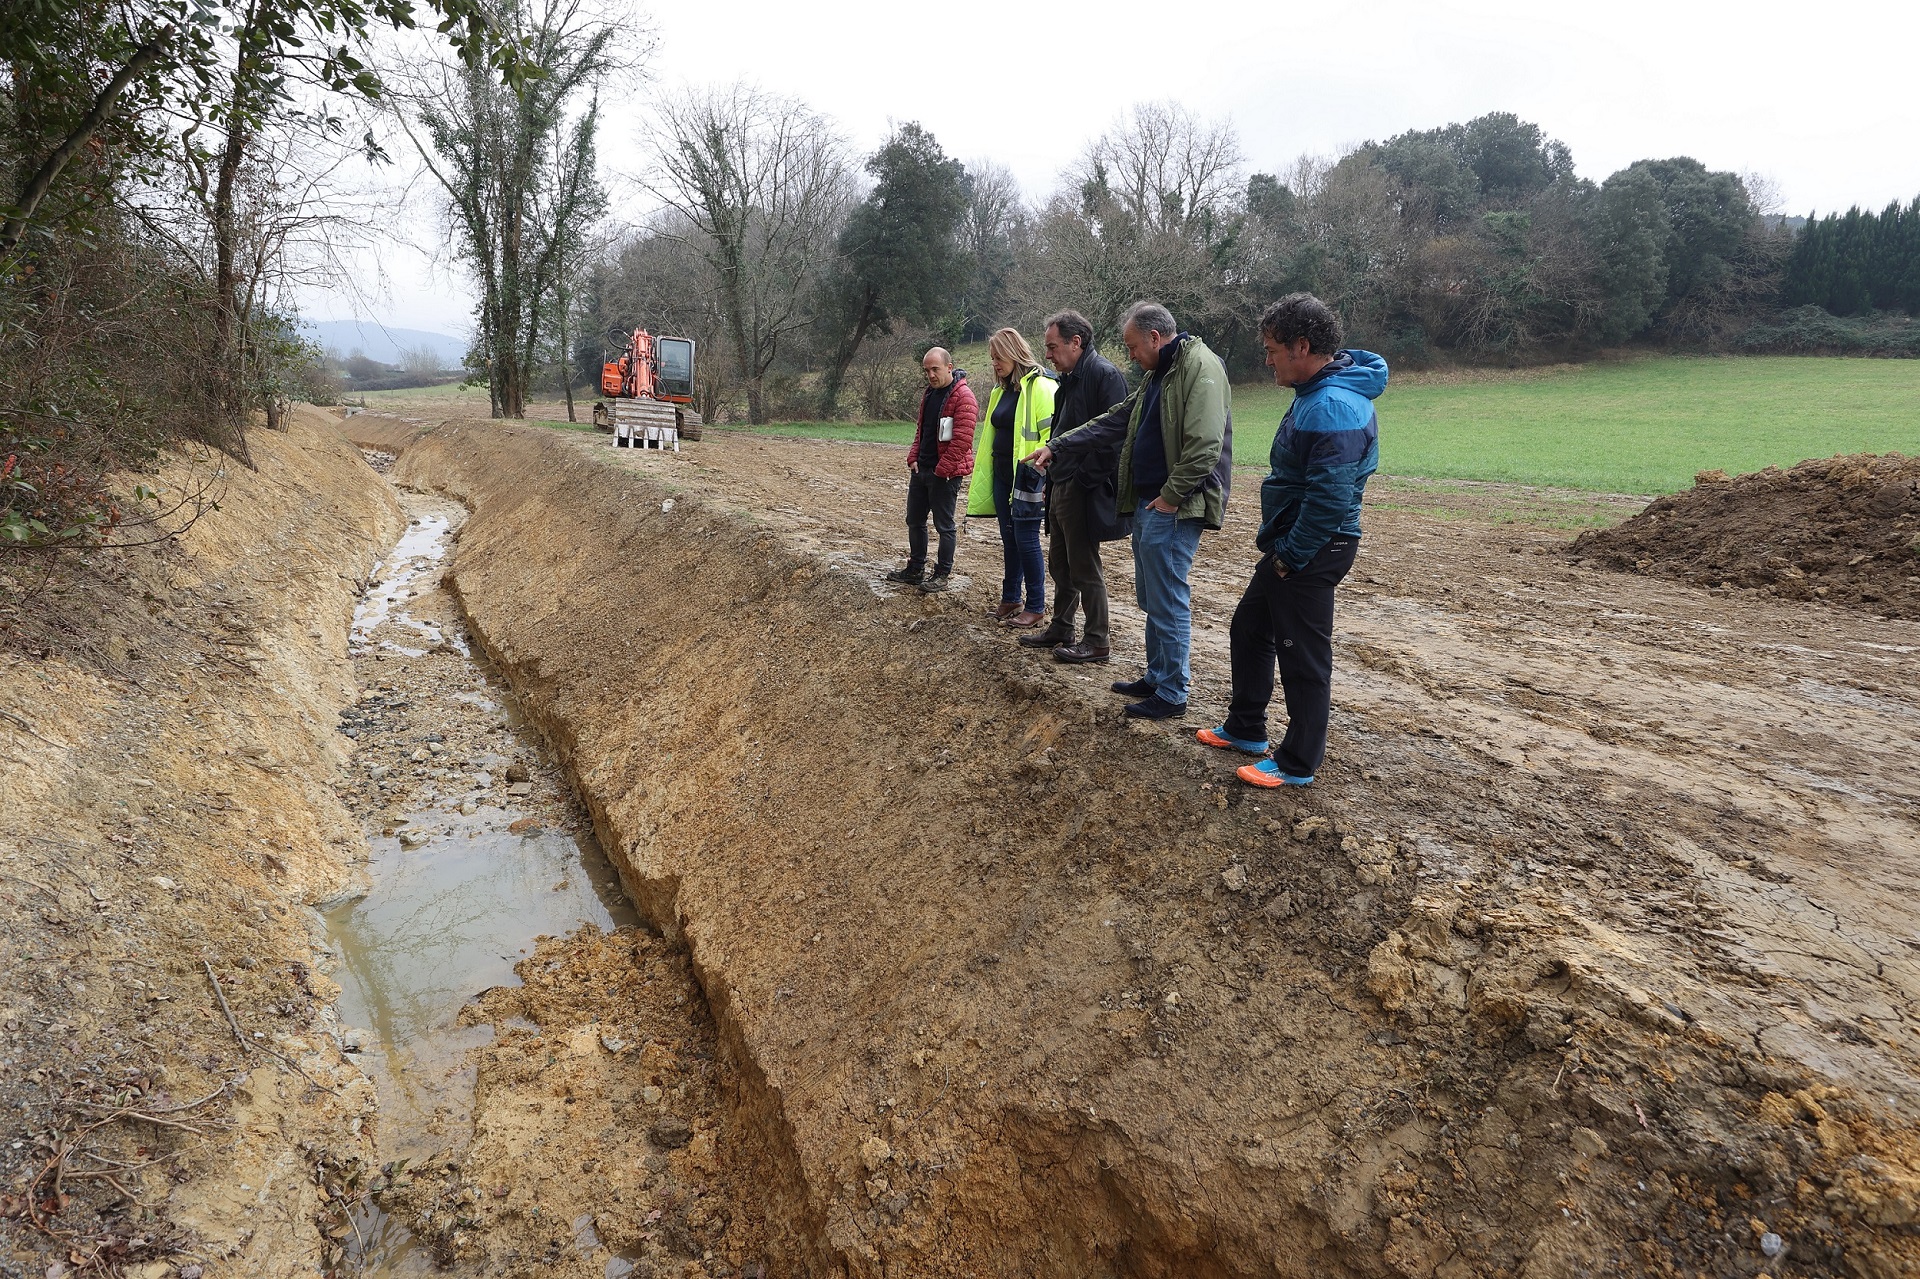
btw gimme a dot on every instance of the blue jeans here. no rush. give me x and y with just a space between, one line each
1163 550
1021 557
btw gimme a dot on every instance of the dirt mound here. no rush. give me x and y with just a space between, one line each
1843 529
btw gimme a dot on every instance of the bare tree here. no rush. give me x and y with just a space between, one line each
762 183
1152 209
254 225
995 221
1167 169
1764 190
1099 261
1352 246
516 163
420 361
886 376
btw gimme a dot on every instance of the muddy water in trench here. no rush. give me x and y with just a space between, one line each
477 851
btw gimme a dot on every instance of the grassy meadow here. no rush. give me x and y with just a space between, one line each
1641 426
1636 426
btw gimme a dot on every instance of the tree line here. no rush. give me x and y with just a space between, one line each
173 171
1854 263
810 279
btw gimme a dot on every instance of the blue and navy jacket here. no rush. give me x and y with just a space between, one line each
1326 447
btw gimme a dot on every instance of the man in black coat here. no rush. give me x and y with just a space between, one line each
1081 507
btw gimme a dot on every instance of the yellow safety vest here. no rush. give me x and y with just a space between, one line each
1032 427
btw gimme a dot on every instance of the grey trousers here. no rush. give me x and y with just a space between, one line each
1073 561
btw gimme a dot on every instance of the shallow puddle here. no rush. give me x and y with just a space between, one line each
462 878
445 920
398 578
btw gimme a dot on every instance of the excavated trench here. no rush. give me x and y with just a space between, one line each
464 875
1578 962
980 992
485 932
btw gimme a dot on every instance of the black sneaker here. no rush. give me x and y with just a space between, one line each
908 576
935 584
1133 688
1156 707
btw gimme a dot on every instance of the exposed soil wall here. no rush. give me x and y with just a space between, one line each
1845 530
1015 991
166 809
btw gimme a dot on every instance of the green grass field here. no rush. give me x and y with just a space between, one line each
1642 426
411 394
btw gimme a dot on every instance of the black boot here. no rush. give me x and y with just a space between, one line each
1052 637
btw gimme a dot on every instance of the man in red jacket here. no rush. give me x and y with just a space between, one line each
939 462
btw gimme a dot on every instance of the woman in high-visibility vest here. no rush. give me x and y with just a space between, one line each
1017 421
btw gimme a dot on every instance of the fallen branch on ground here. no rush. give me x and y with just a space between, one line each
250 1046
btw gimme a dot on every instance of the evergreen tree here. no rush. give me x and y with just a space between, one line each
900 252
1854 262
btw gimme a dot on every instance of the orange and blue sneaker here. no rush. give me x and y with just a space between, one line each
1267 773
1219 740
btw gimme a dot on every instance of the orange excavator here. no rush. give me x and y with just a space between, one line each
650 387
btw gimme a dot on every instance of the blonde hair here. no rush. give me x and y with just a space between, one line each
1011 347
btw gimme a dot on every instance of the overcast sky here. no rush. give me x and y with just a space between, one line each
1820 100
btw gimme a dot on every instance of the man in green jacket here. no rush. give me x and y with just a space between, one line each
1176 464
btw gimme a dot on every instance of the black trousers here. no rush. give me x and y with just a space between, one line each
1073 557
930 494
1288 622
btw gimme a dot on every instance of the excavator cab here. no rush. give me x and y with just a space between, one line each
673 369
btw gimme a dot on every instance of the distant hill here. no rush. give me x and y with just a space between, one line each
383 342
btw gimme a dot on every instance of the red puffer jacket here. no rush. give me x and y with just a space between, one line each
956 454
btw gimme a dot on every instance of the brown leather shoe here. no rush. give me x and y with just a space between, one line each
1024 620
1002 611
1052 637
1079 654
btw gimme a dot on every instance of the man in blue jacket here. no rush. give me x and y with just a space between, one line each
1326 447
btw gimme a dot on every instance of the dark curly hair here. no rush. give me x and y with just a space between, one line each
1302 315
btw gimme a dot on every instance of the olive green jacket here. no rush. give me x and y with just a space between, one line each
1196 426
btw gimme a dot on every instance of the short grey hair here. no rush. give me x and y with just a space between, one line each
1149 317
